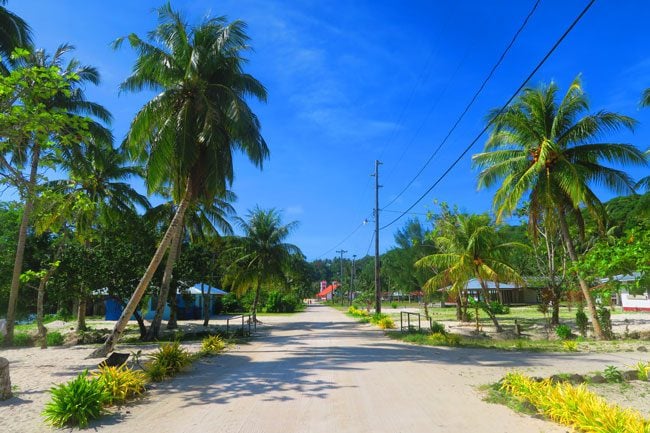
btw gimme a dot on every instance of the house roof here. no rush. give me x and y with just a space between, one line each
196 290
327 290
628 278
474 284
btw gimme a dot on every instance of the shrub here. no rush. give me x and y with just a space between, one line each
121 383
22 339
54 338
570 346
375 318
612 374
437 328
212 345
393 304
498 308
582 322
386 323
76 402
642 370
574 406
167 361
439 339
605 320
277 302
563 331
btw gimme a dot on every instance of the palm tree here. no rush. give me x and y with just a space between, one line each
28 152
549 153
188 132
470 249
200 222
14 33
263 255
96 192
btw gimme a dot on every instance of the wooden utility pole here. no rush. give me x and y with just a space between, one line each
377 264
341 252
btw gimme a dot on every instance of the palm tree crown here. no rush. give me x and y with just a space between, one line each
552 151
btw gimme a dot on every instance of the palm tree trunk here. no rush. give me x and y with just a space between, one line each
564 228
172 323
81 313
486 300
173 230
255 301
206 309
20 248
154 329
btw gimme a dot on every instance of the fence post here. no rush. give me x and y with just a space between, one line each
228 327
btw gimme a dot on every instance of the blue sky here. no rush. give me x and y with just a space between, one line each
351 82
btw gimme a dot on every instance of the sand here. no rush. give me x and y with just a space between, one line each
313 372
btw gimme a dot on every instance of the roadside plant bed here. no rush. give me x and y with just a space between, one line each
484 341
384 321
568 404
88 396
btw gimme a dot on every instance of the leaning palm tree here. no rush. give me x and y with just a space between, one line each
263 255
14 33
26 154
201 222
470 248
188 132
550 153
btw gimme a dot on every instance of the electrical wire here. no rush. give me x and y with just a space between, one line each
471 102
363 223
501 110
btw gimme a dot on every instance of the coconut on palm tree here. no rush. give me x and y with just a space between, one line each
470 248
550 152
188 132
263 255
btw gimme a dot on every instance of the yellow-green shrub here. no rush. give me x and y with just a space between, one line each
167 361
574 406
212 345
121 383
386 323
439 339
570 346
357 312
642 370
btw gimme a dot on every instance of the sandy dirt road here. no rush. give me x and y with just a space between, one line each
320 372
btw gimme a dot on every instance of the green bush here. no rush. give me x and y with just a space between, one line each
612 374
393 304
605 320
439 339
582 322
437 328
232 304
22 339
170 359
76 402
377 317
386 323
498 308
54 338
563 331
277 302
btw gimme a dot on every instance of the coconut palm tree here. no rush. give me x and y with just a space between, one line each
96 192
201 222
14 33
470 248
263 255
188 132
71 105
549 152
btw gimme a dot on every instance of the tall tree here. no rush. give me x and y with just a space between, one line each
95 193
549 152
188 132
201 222
46 111
263 255
470 248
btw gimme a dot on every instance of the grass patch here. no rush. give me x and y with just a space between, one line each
496 395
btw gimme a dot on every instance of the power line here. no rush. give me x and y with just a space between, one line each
364 222
372 238
471 102
501 110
